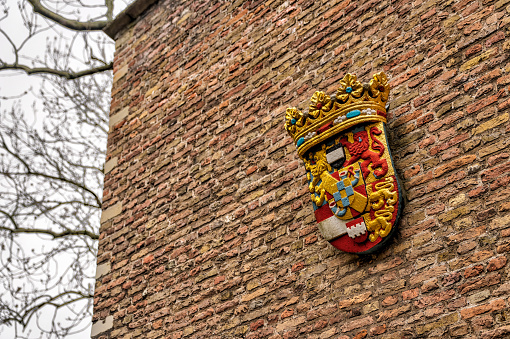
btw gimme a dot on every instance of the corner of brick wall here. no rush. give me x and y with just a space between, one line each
208 230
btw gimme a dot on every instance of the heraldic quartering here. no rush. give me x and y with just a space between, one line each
353 183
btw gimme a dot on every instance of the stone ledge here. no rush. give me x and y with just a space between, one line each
111 212
127 16
118 117
110 164
102 326
103 269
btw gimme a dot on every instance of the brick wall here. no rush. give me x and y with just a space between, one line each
208 229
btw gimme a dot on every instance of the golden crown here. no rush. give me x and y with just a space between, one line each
354 103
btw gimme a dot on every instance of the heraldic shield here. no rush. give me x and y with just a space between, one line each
353 184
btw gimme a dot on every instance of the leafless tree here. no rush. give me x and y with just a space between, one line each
51 160
74 43
50 179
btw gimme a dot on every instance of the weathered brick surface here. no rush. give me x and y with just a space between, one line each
209 231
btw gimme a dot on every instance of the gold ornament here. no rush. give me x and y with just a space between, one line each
354 104
352 181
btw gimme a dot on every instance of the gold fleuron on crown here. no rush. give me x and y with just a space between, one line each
354 103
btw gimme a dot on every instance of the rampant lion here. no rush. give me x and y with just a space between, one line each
317 165
359 149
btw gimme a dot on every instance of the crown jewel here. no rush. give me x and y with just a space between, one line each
353 103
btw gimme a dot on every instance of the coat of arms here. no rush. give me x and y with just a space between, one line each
352 181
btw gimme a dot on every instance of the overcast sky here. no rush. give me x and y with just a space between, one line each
15 83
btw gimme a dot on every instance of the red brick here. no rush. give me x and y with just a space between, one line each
410 294
496 264
380 329
388 301
473 271
473 50
488 280
484 102
217 236
491 307
453 165
500 35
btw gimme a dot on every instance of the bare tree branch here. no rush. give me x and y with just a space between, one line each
27 314
53 234
30 172
63 74
67 23
109 9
